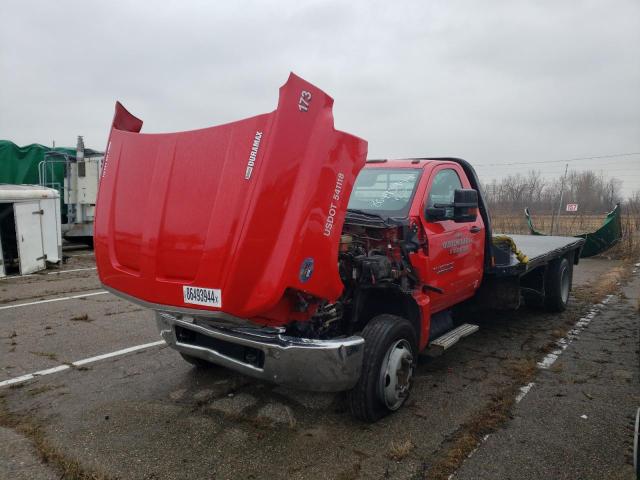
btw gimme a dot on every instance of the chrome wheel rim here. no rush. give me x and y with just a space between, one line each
396 374
564 285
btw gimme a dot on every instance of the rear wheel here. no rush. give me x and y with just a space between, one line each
557 286
197 362
390 353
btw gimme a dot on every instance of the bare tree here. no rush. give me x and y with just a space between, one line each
594 192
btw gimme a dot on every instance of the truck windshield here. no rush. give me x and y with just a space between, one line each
384 191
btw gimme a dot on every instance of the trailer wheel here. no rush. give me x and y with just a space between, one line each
197 362
557 286
390 354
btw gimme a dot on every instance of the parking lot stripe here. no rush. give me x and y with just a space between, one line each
58 299
563 343
60 368
72 270
124 351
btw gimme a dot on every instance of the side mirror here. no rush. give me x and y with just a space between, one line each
465 205
435 214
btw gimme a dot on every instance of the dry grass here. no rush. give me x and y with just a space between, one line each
68 468
607 284
521 370
490 417
494 414
400 450
49 355
559 332
351 473
557 367
42 389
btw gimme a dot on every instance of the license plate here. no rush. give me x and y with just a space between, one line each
210 297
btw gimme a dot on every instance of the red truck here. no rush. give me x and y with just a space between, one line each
272 247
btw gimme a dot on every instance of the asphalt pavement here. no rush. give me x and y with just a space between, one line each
576 421
146 414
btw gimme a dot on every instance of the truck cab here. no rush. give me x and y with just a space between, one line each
451 254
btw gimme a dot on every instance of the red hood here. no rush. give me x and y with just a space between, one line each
251 208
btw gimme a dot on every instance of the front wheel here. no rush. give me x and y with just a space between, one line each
390 353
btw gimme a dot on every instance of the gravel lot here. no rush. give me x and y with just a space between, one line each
148 415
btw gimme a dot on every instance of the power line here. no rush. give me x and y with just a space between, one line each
613 155
631 162
585 169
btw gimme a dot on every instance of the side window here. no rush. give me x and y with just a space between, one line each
445 183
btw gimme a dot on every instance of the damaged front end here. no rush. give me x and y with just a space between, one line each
267 353
231 235
243 218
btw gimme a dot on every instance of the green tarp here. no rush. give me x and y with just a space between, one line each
597 242
19 165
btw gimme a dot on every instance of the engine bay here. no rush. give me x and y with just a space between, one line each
370 258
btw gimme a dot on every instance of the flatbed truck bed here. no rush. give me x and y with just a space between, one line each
539 251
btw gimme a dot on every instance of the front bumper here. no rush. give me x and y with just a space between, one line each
267 354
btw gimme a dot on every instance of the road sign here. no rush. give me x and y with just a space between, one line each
572 207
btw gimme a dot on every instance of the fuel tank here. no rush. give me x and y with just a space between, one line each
228 218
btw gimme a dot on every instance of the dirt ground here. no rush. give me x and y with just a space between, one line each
147 414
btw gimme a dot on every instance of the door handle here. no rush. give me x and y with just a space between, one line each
475 229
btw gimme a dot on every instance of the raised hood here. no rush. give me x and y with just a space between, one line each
228 218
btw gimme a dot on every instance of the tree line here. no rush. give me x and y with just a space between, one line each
593 192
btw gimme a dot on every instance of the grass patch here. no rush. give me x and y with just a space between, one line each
42 389
400 450
470 434
495 413
49 355
607 284
68 468
521 370
350 473
557 367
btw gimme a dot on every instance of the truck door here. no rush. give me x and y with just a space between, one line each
29 236
456 250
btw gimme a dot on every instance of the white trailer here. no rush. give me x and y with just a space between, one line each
30 228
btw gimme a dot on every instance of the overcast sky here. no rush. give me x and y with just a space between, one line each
494 82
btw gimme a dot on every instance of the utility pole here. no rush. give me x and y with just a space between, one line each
564 178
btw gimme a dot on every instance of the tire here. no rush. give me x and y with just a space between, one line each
390 343
197 362
557 286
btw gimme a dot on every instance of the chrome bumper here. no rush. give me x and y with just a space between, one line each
267 354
